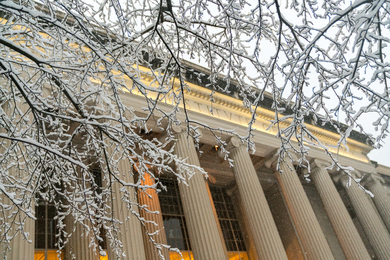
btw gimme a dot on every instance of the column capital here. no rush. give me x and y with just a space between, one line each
271 162
342 177
178 129
233 143
319 163
347 180
371 179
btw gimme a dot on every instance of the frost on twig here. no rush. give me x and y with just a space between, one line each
67 66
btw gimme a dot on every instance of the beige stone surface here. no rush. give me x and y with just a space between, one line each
150 199
265 235
309 231
381 199
201 224
129 230
343 226
373 226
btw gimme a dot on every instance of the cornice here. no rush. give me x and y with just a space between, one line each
268 115
199 99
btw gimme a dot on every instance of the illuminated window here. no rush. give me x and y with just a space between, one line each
175 225
228 220
173 216
45 232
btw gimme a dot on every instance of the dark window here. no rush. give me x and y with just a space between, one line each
45 226
97 174
227 219
173 216
46 230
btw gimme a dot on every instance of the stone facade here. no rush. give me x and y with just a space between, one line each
280 215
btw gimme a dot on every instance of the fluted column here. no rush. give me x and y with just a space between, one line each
129 230
79 241
382 201
309 231
342 223
19 247
79 234
260 221
150 199
373 226
247 234
202 227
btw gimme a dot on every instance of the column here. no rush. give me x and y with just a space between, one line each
309 231
79 241
129 229
265 235
78 229
342 223
246 231
373 226
152 214
202 227
19 247
382 201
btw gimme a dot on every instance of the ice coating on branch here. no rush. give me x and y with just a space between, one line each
67 68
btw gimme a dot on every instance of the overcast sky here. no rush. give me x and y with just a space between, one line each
381 155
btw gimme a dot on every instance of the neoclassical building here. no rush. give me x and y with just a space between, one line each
249 211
